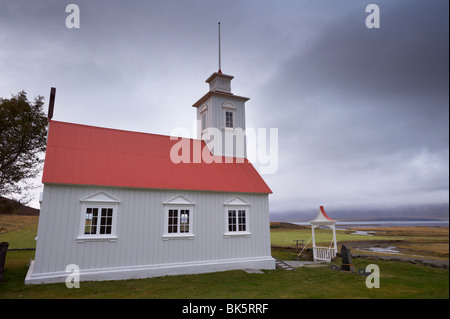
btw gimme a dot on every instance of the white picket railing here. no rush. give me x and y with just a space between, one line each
323 253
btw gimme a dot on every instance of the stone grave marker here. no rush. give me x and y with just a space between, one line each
347 263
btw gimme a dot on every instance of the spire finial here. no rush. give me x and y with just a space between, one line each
220 66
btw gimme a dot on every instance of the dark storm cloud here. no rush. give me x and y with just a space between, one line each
362 114
406 56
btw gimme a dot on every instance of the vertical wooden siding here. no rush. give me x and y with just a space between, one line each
140 226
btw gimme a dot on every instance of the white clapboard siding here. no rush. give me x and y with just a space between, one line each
139 228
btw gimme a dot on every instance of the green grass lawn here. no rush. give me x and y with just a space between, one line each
283 237
22 238
18 231
398 280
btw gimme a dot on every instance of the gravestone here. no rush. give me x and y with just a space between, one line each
3 250
347 264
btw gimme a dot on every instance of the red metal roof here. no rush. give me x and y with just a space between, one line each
88 155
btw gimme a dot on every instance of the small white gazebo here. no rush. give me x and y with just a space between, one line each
324 253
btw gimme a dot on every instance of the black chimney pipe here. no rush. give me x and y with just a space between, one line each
51 103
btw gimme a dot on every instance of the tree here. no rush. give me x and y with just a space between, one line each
23 130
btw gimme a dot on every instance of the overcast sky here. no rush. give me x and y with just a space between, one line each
362 114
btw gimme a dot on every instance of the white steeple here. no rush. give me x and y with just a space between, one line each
221 117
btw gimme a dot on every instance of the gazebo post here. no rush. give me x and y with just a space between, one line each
313 241
313 236
334 239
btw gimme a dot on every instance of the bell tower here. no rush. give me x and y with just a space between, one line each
221 116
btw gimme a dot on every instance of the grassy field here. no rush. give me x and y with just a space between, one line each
423 242
286 237
398 280
18 231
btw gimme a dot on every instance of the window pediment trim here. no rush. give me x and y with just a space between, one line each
237 201
100 197
179 200
204 108
229 106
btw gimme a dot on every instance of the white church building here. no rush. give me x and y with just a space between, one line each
117 205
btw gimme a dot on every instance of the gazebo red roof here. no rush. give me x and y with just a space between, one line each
322 218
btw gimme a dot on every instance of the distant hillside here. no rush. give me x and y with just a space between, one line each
417 212
12 207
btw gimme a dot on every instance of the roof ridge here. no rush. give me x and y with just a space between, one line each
123 130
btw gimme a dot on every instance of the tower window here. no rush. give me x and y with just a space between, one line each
203 117
229 119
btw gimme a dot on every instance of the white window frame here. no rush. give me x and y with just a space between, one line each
226 119
178 203
203 112
237 204
100 200
204 120
229 107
